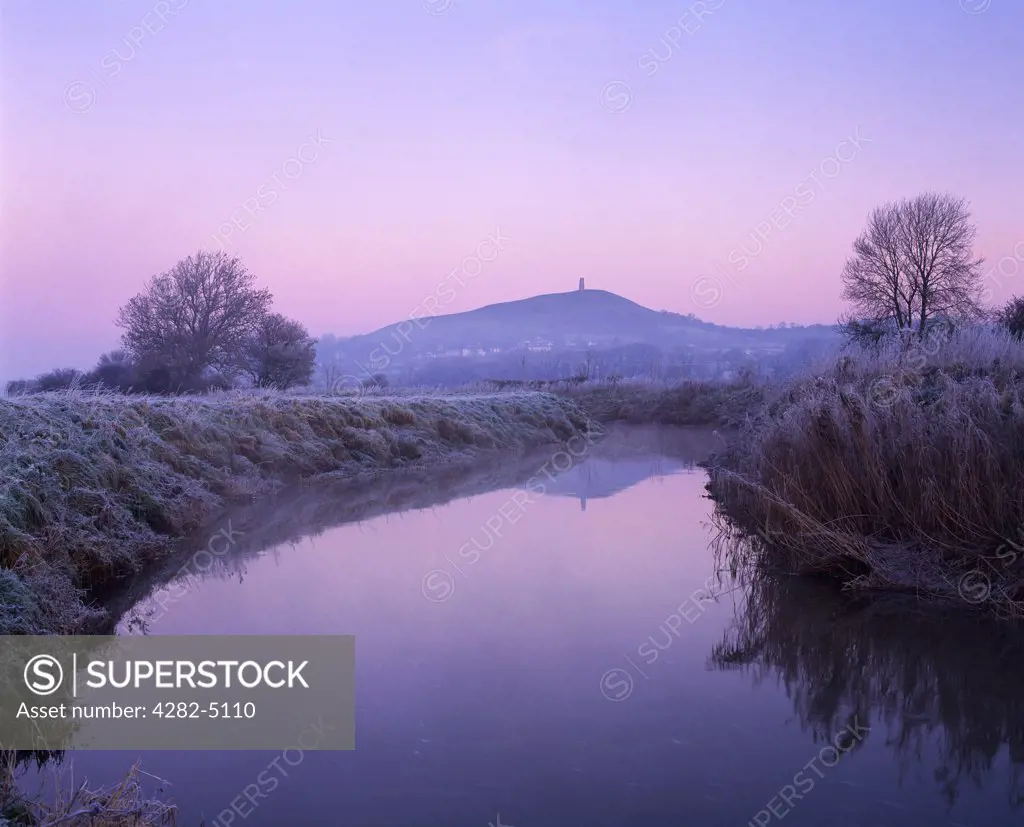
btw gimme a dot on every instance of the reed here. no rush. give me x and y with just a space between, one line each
896 468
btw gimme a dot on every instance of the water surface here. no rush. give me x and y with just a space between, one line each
567 667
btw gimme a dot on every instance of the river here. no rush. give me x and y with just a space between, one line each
585 664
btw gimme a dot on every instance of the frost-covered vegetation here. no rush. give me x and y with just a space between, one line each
897 468
93 485
123 804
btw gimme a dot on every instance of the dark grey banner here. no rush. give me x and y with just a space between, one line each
178 692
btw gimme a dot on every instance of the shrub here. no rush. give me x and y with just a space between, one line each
1011 317
58 380
114 371
16 387
378 380
281 353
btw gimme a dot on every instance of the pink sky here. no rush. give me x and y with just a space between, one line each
438 130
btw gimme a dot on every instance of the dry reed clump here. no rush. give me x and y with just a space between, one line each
91 486
895 470
124 804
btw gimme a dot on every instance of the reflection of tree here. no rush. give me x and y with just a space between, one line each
14 763
941 684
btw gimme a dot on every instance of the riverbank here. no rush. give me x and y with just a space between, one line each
92 487
894 470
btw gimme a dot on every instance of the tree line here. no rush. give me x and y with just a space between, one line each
200 326
205 325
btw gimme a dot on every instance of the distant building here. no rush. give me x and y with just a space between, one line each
581 284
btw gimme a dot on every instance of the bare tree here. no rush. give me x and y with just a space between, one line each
281 353
330 374
940 254
200 314
587 366
875 280
915 262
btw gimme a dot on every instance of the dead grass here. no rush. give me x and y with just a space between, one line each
93 486
72 804
893 470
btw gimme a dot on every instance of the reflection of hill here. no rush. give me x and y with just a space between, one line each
311 509
628 456
942 684
597 478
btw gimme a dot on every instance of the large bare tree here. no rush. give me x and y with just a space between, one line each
915 262
200 314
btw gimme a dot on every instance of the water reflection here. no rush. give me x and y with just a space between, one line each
628 456
944 689
496 700
301 513
624 457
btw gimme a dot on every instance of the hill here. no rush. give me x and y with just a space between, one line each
556 325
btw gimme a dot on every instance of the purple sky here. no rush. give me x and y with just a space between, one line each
644 146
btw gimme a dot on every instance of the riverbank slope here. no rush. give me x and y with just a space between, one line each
94 486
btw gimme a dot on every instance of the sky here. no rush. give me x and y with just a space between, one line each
715 157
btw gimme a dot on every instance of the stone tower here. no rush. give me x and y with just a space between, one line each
581 285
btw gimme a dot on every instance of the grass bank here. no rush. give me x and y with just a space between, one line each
894 469
94 486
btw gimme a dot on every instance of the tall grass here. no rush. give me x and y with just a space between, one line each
92 486
896 468
71 804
